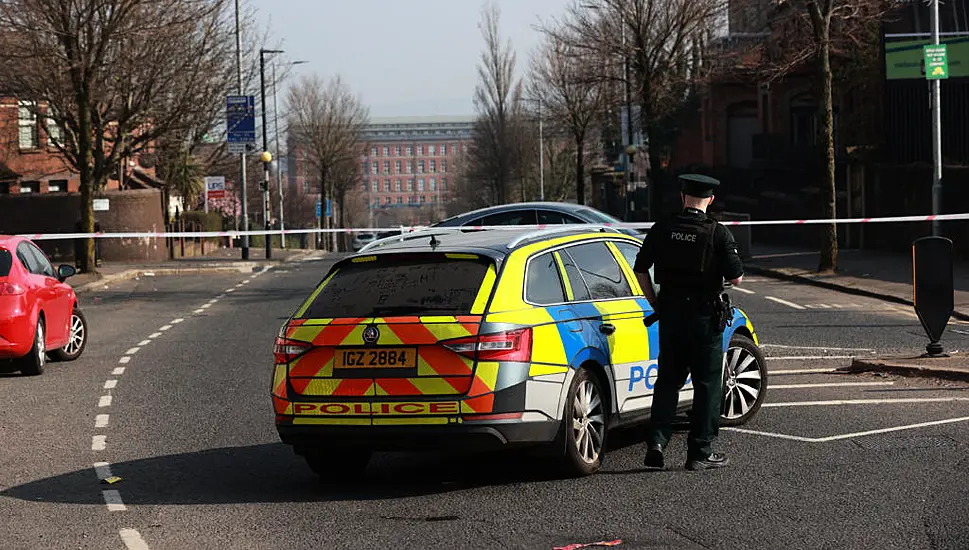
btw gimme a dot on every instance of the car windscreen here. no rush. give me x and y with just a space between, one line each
401 285
6 261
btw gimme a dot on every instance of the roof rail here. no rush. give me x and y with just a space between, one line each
565 228
409 236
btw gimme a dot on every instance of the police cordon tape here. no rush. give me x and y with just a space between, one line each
413 228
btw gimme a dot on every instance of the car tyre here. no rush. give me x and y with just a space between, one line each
34 362
338 465
584 421
77 341
744 381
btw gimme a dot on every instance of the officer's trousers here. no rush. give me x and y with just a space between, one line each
688 344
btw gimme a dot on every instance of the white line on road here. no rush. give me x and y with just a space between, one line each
824 348
113 499
866 401
99 442
102 469
177 321
957 331
205 306
213 300
220 296
105 401
108 384
118 371
831 385
807 357
228 290
164 328
744 290
246 281
784 302
125 359
784 372
132 351
199 311
771 434
101 421
154 335
850 435
132 539
144 342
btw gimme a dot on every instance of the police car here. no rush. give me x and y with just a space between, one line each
452 339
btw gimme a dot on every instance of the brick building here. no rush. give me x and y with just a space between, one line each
30 163
406 170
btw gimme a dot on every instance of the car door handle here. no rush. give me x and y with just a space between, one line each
607 328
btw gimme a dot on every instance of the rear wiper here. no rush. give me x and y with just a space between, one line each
401 310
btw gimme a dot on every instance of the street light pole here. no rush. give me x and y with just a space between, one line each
936 128
242 156
266 156
541 154
279 158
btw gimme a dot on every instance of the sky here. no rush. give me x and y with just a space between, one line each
403 57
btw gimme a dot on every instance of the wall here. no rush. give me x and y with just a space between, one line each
133 210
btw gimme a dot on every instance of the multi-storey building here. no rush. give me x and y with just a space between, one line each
406 171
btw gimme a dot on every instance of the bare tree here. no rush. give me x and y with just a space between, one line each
114 76
566 97
327 120
492 148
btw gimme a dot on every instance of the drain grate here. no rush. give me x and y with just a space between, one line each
911 442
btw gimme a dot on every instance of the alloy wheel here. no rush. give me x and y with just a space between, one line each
742 382
588 421
77 335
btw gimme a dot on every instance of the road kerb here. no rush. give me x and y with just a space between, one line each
951 368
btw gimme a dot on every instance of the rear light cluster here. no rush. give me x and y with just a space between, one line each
11 289
512 345
286 350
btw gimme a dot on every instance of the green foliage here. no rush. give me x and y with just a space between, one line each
205 221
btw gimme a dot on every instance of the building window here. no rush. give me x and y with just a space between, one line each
443 184
410 184
434 198
27 121
433 183
57 186
386 167
386 150
387 200
400 200
409 150
420 150
411 200
397 186
374 151
409 168
29 187
443 166
432 150
420 167
397 150
397 166
433 166
374 186
420 185
386 186
423 199
54 133
373 167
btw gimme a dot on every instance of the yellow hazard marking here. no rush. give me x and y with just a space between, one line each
279 374
565 277
460 256
481 300
309 301
547 345
432 386
487 372
447 331
542 370
304 333
364 259
324 420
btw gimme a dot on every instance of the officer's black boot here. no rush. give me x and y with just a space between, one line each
654 457
711 461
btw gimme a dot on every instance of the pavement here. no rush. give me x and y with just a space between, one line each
219 260
882 275
171 396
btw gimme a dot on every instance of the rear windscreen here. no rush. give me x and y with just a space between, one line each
6 260
438 286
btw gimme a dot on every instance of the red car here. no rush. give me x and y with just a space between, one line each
39 313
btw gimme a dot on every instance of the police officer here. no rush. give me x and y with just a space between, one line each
693 255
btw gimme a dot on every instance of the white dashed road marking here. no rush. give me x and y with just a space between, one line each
230 290
164 328
132 539
132 351
850 435
113 499
118 371
102 469
99 442
815 348
125 359
784 302
154 335
109 384
837 402
744 290
783 372
832 385
105 401
205 306
177 321
199 311
101 421
144 342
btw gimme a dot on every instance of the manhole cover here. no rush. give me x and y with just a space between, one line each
912 442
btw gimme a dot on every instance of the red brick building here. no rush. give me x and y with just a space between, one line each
406 170
30 163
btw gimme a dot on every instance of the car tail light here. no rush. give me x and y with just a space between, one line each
512 345
286 350
11 289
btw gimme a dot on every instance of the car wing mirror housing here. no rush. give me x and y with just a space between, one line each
65 271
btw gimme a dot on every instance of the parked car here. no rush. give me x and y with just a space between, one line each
535 213
39 312
494 339
362 239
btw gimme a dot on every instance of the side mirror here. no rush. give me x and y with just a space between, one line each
65 271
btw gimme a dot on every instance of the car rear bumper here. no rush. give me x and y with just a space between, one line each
16 337
464 436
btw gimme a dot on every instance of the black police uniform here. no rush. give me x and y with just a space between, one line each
692 255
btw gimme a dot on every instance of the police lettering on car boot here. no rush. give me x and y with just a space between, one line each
692 255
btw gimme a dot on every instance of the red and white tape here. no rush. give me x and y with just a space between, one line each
407 229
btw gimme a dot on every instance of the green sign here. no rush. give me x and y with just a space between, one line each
936 66
906 59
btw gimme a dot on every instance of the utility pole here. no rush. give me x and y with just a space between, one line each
935 91
279 160
266 156
541 154
242 156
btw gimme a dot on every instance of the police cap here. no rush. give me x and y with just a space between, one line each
698 185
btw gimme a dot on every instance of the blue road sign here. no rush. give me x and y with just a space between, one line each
240 114
318 209
329 208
